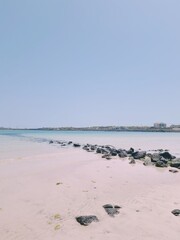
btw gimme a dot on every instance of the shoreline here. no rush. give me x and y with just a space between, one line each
158 157
148 130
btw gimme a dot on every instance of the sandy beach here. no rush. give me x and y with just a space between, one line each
42 195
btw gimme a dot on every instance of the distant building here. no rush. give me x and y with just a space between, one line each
175 126
160 125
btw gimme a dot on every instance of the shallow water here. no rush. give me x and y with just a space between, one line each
22 143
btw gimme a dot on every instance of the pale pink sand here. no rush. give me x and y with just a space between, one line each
30 199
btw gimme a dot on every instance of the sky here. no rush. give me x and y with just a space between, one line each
89 62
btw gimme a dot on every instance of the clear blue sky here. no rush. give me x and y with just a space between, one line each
89 62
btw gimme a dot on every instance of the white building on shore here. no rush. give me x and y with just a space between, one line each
160 125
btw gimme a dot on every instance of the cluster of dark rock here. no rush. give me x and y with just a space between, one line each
109 208
111 211
61 143
159 158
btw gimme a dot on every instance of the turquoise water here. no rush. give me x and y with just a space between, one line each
20 143
82 134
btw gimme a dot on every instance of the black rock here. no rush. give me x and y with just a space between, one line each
130 151
93 148
176 212
86 220
50 142
108 147
119 150
155 157
139 154
164 160
70 142
76 145
122 154
161 164
173 170
111 210
175 163
104 151
98 150
167 155
113 153
117 206
85 147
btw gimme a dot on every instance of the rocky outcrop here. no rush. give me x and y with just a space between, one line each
159 158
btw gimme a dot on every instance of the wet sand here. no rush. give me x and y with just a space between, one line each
41 196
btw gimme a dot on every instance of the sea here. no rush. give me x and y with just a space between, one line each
15 144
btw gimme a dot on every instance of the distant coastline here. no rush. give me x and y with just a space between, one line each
172 128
